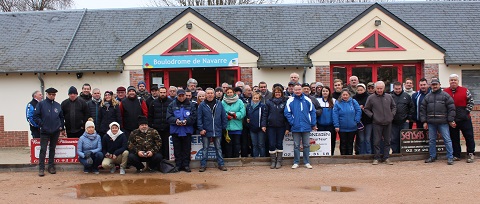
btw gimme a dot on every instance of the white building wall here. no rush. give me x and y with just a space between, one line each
280 75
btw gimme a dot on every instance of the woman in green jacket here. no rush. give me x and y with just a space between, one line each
235 110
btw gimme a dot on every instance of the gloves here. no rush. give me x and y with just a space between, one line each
232 115
88 154
89 160
229 117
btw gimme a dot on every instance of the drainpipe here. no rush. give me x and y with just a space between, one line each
42 84
304 74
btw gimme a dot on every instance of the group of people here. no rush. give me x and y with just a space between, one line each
133 126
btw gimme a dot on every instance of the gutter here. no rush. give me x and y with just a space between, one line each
71 40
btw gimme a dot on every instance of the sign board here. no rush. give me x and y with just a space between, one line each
320 144
416 141
197 149
65 151
190 61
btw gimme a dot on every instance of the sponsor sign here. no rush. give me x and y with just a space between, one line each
416 141
197 149
320 144
65 151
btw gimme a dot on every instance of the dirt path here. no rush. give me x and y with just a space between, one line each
404 182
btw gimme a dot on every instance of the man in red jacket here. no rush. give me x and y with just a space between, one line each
463 105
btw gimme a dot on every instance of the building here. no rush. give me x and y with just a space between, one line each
119 47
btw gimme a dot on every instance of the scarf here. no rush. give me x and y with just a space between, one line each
97 100
230 100
114 136
90 136
254 105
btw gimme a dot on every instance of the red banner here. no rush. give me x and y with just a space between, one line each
65 151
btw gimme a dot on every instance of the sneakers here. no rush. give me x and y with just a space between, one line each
309 166
388 162
52 170
112 170
375 162
202 169
450 161
122 171
430 160
456 159
187 169
223 168
41 172
96 172
471 158
295 166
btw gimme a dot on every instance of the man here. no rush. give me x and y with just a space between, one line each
157 119
417 99
219 93
49 117
94 107
76 113
189 95
192 86
211 121
289 91
37 96
266 94
130 109
247 94
404 112
316 104
153 96
409 86
121 93
294 77
172 92
300 113
143 146
240 84
318 92
181 114
86 95
381 108
436 113
463 100
313 88
337 88
142 92
352 87
225 86
370 88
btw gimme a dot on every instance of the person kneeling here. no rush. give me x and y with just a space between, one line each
114 145
89 148
144 146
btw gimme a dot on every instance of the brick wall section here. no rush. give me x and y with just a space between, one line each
430 70
322 74
476 122
246 75
12 138
135 77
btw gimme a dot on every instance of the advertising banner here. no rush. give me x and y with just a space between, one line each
416 141
190 61
320 144
65 151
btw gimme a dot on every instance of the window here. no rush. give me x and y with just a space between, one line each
189 45
376 41
471 80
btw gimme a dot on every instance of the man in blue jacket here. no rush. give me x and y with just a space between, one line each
37 96
211 121
300 113
49 117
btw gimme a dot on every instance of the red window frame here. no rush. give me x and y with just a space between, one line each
189 37
376 33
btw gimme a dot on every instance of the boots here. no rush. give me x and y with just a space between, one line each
273 159
279 159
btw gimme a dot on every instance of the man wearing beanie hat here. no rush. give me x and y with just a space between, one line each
157 118
142 92
49 117
130 108
89 148
144 146
76 113
153 95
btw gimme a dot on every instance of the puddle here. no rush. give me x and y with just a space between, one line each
332 188
135 187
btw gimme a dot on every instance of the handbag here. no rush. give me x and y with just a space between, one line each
166 167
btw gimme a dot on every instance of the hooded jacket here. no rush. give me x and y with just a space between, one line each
300 113
346 115
213 122
49 116
326 118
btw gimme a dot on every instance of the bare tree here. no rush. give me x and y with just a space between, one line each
160 3
34 5
343 1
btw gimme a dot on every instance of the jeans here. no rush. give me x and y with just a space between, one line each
275 138
44 138
364 138
233 147
182 147
218 150
346 142
97 158
258 142
432 137
395 140
467 132
305 138
333 136
382 133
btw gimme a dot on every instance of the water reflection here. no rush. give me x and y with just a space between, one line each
332 188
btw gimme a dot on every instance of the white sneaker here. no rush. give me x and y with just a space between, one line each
122 171
295 166
112 170
309 166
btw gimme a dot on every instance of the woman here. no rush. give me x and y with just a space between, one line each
277 126
337 86
109 112
114 146
257 125
325 121
365 135
200 97
89 149
346 116
235 110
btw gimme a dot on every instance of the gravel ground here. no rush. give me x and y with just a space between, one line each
404 182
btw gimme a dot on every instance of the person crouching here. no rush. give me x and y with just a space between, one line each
144 146
114 145
89 149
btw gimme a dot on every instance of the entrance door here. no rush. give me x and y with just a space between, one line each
364 74
179 77
389 75
206 77
229 75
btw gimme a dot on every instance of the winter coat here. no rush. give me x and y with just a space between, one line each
212 122
144 141
464 102
326 118
417 99
108 115
255 114
185 110
131 108
274 116
437 108
30 110
76 113
405 108
157 114
316 104
94 108
381 108
116 147
85 144
362 100
49 116
239 108
346 115
300 113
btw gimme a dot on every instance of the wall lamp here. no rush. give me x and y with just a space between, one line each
378 22
189 25
79 75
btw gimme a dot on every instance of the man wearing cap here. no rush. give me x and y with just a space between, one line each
37 96
144 146
153 96
157 119
402 116
76 113
436 113
463 100
370 88
49 117
318 92
182 115
121 93
289 90
313 88
142 92
130 108
306 91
